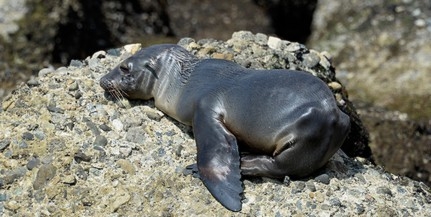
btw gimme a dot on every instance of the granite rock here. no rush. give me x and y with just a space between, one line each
142 175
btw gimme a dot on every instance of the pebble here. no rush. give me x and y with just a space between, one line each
100 141
274 43
127 166
11 176
132 48
99 55
44 176
310 186
384 190
92 126
299 187
76 63
3 198
287 180
334 85
33 163
136 135
27 136
80 156
153 114
261 39
93 63
243 35
45 71
69 179
74 86
311 60
294 47
117 124
12 205
335 202
39 135
55 109
4 144
33 81
105 127
323 178
359 209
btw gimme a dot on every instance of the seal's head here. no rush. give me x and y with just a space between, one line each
135 77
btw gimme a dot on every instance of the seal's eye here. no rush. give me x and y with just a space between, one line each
124 69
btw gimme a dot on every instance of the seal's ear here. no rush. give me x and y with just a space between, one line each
147 65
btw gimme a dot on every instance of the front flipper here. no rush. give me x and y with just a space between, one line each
218 159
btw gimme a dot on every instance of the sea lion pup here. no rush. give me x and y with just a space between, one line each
288 120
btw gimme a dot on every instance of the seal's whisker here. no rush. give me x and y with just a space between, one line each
117 94
122 92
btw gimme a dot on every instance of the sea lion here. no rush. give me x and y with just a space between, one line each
288 120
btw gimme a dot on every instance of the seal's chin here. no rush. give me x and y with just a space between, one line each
138 95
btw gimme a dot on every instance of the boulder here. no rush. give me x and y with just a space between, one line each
382 52
66 150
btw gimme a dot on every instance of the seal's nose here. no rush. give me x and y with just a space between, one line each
106 84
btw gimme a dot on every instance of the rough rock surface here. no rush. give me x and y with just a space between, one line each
382 52
38 33
66 150
400 145
209 19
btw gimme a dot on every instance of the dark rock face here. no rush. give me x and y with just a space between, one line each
381 51
37 33
398 143
56 32
216 19
291 19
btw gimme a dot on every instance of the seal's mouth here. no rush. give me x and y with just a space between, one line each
112 89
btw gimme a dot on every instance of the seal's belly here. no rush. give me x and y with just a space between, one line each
266 111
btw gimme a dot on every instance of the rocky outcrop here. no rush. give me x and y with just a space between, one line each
65 150
382 53
208 19
381 49
36 33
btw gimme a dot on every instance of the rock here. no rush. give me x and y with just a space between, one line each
407 153
324 178
105 127
136 135
4 144
44 175
100 141
27 136
143 174
389 71
33 163
117 124
127 166
389 68
80 156
9 177
198 19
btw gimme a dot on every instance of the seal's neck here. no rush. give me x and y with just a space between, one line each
174 67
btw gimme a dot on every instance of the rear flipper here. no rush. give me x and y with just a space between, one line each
298 160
